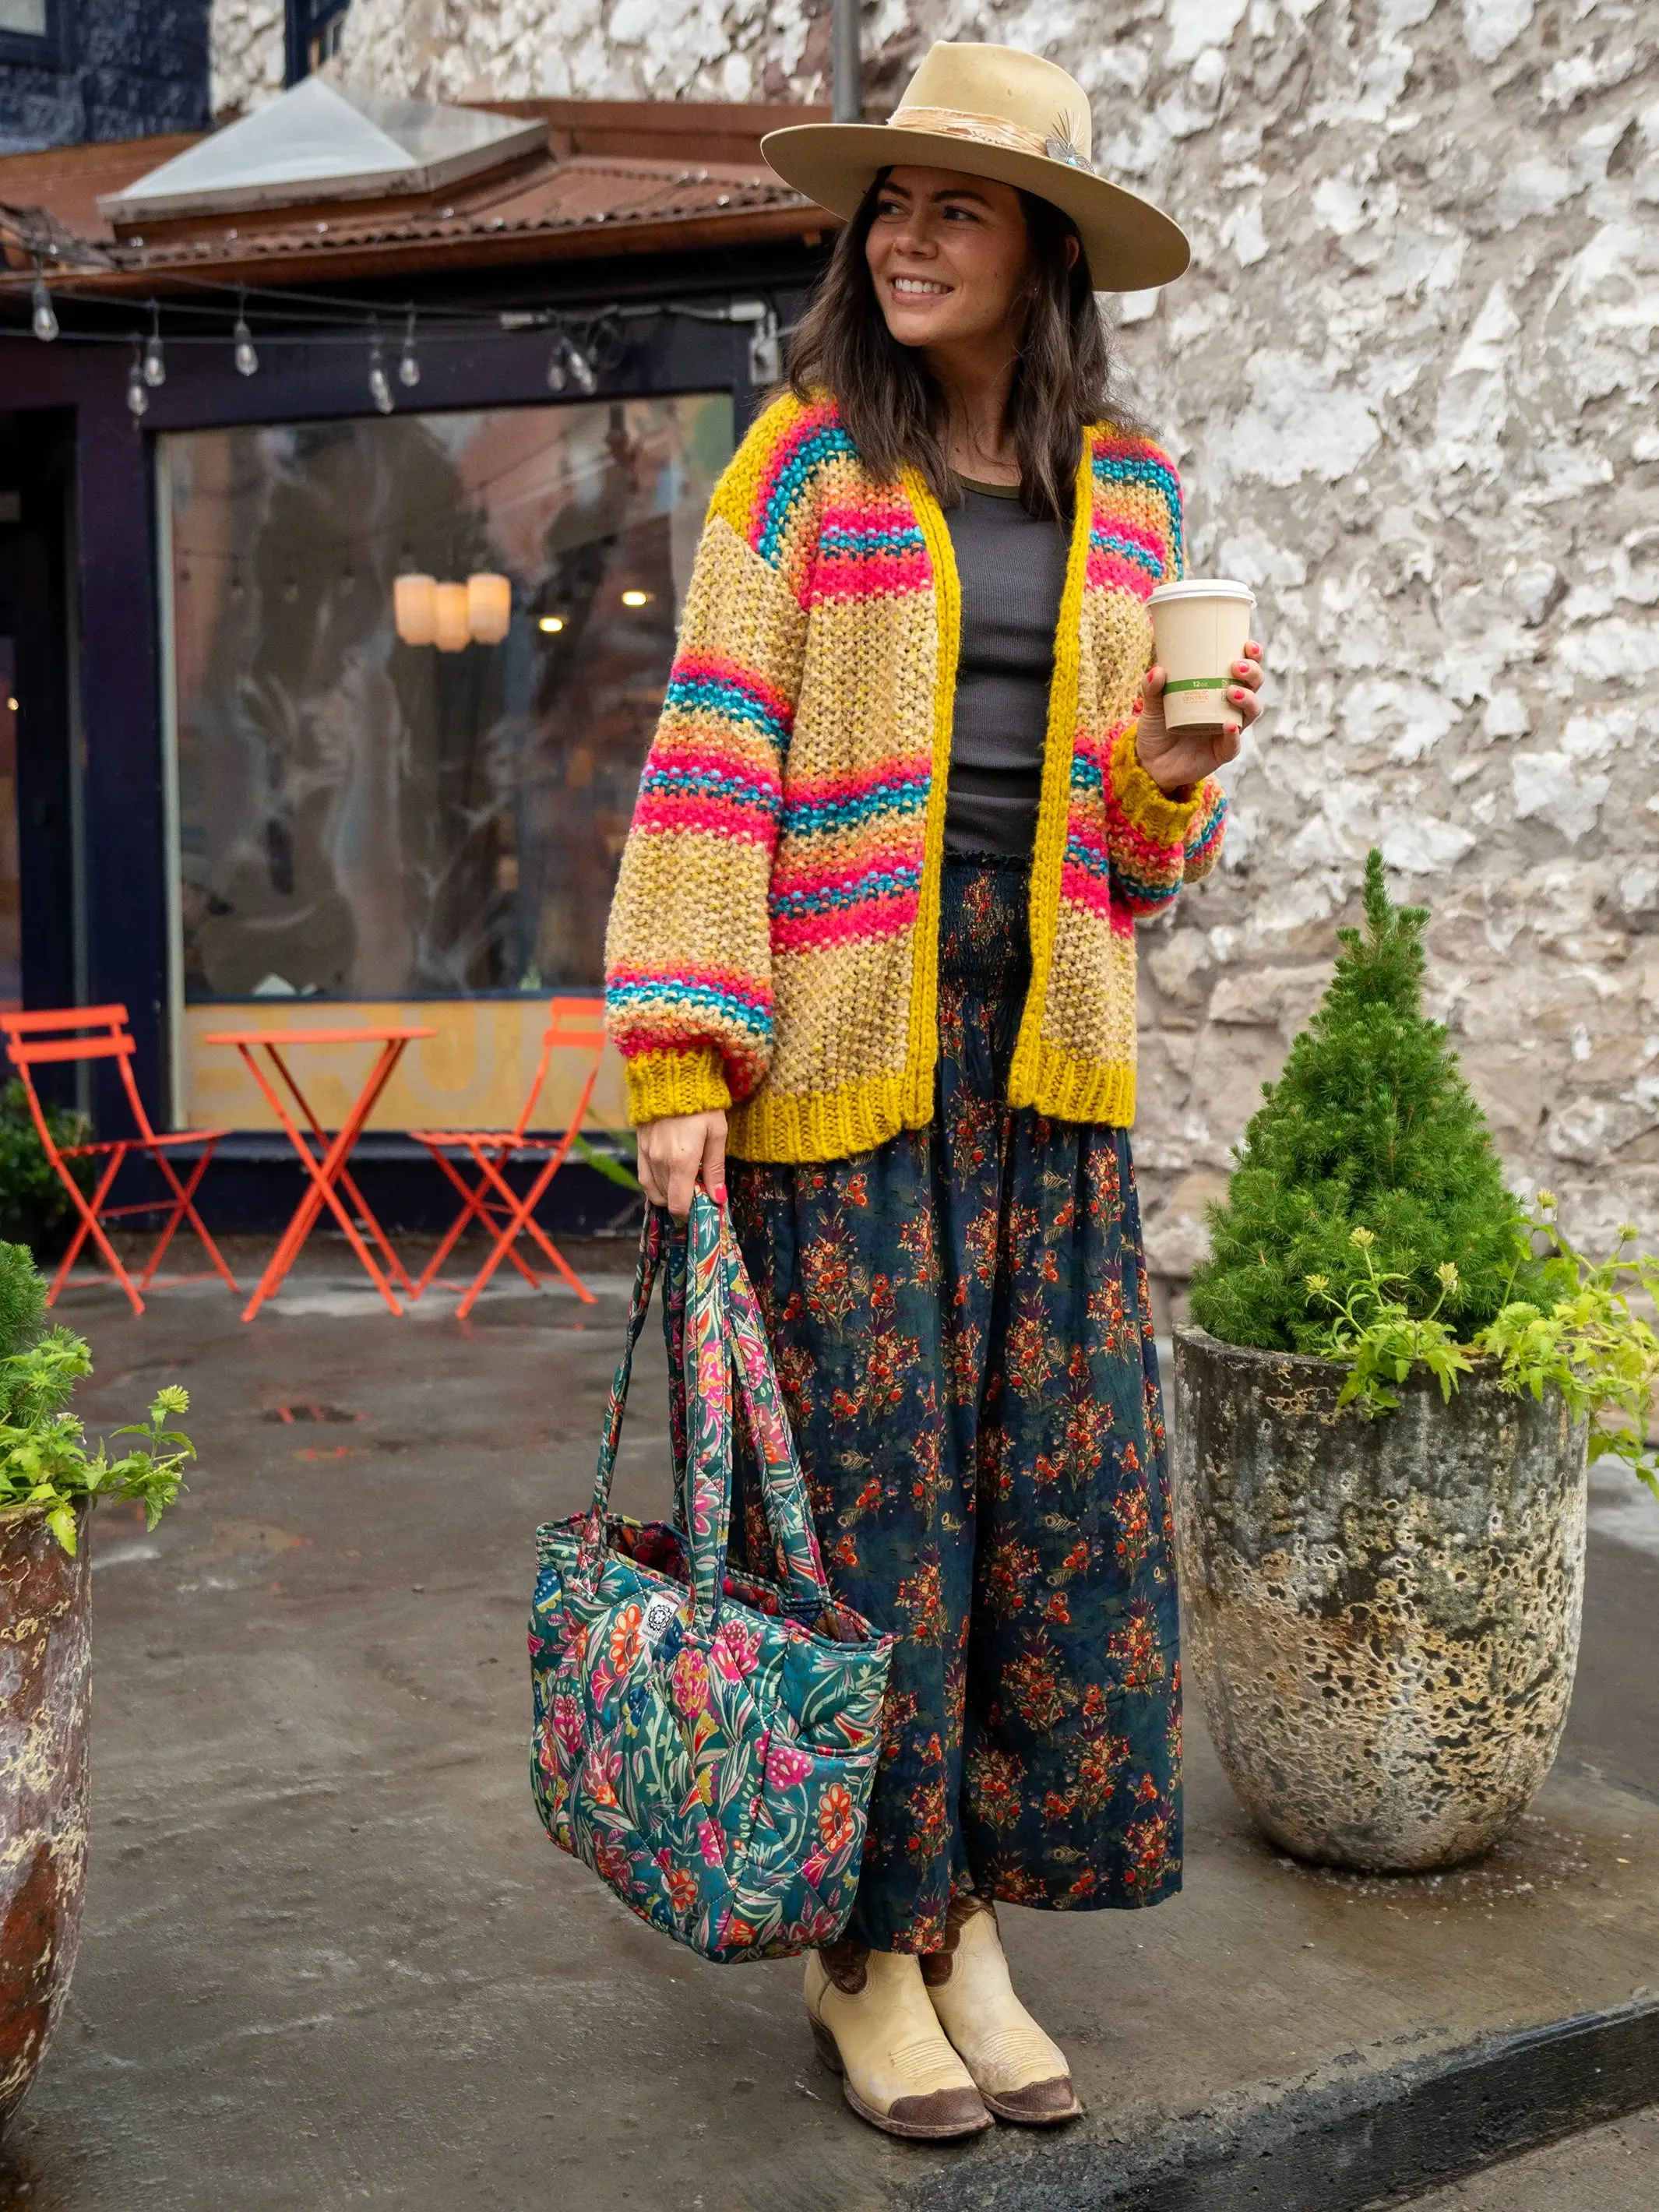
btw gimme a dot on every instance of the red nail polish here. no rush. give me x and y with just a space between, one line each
719 1194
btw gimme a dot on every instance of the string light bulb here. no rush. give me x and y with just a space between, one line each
137 397
247 361
409 367
46 317
568 364
155 365
379 390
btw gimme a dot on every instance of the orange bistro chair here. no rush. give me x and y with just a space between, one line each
50 1037
490 1201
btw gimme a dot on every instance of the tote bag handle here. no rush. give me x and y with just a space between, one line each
722 1338
646 1269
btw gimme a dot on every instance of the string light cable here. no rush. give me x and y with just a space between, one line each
588 342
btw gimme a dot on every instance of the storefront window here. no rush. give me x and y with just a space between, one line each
363 818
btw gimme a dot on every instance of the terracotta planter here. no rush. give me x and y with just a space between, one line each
1382 1616
44 1694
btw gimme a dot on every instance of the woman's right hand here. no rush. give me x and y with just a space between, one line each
676 1151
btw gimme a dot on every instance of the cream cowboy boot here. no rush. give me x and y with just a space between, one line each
1020 2073
874 2026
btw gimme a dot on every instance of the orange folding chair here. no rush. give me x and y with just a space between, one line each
490 1200
51 1037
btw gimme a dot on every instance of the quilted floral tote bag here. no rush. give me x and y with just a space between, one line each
705 1739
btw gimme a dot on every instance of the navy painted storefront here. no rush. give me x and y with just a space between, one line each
86 478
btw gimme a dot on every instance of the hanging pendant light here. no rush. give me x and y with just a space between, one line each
454 630
488 607
137 397
415 609
45 317
409 368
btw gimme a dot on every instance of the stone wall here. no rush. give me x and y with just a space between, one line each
1411 384
249 55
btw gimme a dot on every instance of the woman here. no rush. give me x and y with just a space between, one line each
873 935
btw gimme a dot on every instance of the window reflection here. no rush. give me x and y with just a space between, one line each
365 818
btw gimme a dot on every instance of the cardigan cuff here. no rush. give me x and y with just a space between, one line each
681 1079
1162 818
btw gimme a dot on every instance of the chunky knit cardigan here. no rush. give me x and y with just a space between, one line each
772 946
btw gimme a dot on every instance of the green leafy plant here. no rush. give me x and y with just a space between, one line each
45 1461
1589 1342
1585 1340
32 1199
1371 1126
1373 1329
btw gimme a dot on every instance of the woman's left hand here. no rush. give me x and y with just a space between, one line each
1176 760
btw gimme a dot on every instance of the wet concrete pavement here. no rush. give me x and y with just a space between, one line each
330 1960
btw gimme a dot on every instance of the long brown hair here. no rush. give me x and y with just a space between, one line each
894 410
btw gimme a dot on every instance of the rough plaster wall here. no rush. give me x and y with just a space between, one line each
1411 384
249 56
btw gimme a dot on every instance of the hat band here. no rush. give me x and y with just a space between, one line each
961 122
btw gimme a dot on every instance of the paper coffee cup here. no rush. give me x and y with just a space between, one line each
1199 629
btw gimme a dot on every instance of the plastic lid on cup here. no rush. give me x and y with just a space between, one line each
1204 587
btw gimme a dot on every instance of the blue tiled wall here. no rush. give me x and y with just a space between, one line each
116 69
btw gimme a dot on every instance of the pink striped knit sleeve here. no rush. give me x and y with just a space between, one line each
1158 842
688 953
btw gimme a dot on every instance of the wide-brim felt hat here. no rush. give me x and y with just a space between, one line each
992 112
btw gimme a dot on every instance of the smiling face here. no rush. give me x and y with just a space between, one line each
947 255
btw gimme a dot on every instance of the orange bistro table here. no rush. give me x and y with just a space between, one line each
327 1165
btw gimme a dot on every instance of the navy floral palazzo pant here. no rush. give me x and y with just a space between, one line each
961 1330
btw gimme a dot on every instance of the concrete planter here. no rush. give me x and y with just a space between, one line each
1382 1616
45 1696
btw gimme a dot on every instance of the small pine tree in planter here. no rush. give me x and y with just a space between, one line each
1379 1440
1371 1126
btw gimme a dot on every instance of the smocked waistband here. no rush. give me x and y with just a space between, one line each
984 934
